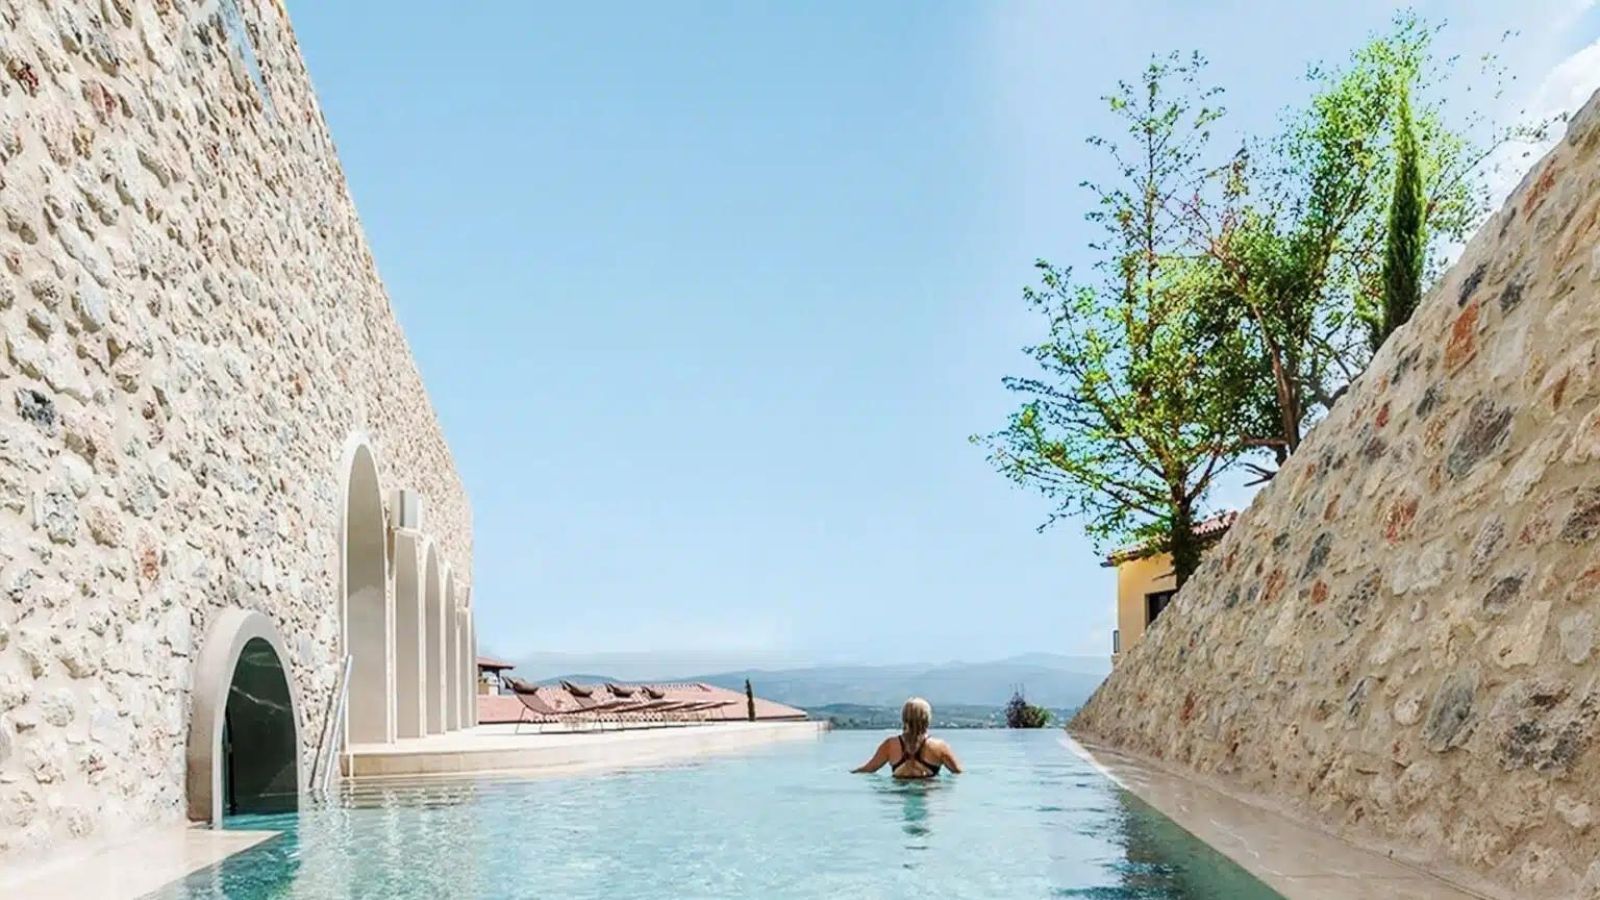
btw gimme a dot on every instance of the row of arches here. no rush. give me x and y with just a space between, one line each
403 621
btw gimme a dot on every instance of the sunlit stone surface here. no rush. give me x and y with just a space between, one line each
193 330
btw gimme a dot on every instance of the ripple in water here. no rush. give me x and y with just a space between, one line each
1028 820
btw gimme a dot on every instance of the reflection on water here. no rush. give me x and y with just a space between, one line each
1162 859
788 823
911 803
267 870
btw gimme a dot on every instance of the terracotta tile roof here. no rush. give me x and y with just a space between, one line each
494 665
506 708
1208 530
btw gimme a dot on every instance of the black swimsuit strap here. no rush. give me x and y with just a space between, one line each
907 755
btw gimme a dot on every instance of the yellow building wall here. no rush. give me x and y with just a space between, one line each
1135 579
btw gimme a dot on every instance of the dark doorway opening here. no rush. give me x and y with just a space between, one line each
259 750
1155 603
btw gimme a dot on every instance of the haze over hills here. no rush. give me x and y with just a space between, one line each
1048 679
634 666
1052 681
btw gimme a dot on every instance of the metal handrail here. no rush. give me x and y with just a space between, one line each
322 762
338 716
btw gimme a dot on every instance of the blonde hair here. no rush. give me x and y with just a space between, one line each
914 719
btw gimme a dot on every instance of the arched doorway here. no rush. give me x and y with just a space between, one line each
452 655
244 735
367 623
259 742
433 586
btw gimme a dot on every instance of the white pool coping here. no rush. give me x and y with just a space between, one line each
489 749
1296 860
128 867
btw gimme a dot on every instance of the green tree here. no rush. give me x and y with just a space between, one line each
1022 714
1300 234
1134 409
749 701
1406 244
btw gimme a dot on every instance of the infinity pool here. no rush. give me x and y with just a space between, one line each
1028 820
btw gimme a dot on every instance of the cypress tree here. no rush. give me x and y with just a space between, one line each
1405 246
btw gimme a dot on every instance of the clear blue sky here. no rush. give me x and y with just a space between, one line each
709 296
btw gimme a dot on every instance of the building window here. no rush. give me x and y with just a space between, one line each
1155 603
1116 640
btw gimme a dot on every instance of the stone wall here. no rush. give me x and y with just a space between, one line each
193 328
1397 639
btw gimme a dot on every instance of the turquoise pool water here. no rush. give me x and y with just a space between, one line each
1028 820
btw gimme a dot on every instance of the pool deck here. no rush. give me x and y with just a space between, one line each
489 749
1294 859
128 867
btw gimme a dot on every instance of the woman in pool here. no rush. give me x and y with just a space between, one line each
911 753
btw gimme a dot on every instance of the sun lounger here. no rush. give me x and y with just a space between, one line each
622 705
602 706
534 706
571 705
687 710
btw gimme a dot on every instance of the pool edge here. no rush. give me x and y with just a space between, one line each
1292 857
131 866
484 751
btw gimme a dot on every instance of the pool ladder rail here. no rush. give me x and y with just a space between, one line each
327 756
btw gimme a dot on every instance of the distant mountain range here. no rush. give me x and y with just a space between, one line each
878 718
1047 680
1061 682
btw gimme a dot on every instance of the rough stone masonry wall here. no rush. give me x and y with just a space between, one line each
1397 639
192 327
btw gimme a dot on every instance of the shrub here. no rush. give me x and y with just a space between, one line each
1022 714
